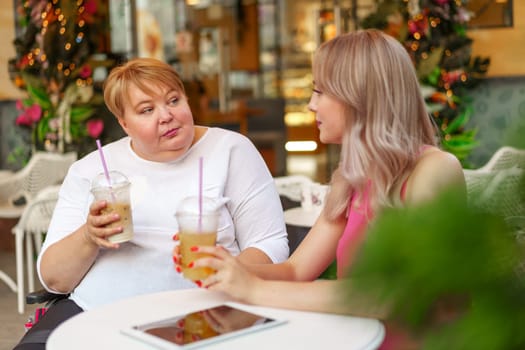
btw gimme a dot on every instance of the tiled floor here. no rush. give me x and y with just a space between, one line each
11 322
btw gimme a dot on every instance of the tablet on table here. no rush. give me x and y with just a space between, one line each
201 327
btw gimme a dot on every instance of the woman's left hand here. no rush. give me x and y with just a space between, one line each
232 277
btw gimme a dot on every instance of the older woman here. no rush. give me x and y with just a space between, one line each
160 156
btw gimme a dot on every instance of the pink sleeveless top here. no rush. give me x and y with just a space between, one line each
350 242
358 218
354 233
355 229
356 224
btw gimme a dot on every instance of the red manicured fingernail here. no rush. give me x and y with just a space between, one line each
194 248
198 283
190 265
175 237
178 269
175 260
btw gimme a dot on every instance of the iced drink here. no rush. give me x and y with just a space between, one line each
191 239
196 230
124 211
116 194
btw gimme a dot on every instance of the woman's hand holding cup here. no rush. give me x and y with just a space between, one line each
115 193
231 275
198 220
98 225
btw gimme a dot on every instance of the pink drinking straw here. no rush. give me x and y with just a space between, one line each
104 165
200 193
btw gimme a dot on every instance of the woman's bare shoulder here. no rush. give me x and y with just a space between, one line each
435 171
437 160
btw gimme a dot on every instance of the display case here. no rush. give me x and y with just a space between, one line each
286 44
290 31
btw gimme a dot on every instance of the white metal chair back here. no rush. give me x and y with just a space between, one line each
504 158
476 181
17 190
43 169
497 187
38 212
503 195
32 224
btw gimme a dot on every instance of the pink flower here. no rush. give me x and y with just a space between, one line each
22 119
29 116
34 112
23 62
85 71
90 10
90 6
419 26
95 127
452 76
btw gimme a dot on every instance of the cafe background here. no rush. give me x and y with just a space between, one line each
228 51
262 50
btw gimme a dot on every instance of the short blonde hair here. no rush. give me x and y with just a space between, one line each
143 73
387 122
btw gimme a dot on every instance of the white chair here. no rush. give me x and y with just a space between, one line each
497 186
42 170
32 224
517 225
504 158
18 189
476 180
503 195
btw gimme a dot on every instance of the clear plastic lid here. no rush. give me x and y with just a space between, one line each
117 179
194 205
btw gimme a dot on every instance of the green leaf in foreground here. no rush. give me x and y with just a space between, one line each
443 251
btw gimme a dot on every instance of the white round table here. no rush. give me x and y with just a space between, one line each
100 328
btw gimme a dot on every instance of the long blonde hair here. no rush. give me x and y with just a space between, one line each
387 123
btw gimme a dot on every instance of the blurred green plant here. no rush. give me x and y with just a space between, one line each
445 256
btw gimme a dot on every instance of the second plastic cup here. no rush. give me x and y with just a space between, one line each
198 223
117 196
